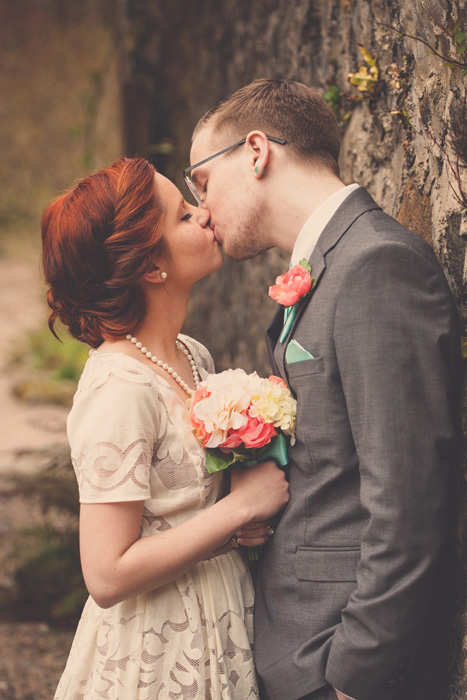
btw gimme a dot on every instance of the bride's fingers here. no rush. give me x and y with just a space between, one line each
258 525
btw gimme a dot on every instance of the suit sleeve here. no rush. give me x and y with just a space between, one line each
396 339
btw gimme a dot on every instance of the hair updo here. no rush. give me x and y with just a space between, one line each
98 240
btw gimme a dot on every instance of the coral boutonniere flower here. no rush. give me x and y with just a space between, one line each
289 290
294 285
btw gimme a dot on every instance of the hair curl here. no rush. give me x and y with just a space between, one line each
98 240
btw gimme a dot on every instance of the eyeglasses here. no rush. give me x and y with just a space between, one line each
187 171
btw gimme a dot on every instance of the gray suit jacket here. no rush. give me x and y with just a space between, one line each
345 586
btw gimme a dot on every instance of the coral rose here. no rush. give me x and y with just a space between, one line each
198 425
277 380
256 433
233 440
292 286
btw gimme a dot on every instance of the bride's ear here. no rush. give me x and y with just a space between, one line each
155 276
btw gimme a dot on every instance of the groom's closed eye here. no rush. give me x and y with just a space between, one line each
202 186
199 180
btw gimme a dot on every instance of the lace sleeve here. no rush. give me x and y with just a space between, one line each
112 430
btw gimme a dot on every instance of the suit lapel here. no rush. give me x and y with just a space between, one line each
356 204
318 267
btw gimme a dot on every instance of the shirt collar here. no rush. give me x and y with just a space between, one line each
315 224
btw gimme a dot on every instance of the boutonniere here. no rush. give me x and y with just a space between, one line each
289 291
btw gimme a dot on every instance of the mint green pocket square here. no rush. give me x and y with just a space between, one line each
296 353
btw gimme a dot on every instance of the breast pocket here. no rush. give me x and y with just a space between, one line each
305 367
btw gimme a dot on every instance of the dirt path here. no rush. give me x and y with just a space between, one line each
23 427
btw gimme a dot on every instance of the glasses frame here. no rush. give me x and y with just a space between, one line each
186 173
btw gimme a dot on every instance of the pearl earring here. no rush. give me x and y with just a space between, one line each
164 275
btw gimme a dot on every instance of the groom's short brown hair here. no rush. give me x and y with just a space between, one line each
285 109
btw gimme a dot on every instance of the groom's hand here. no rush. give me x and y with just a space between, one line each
254 534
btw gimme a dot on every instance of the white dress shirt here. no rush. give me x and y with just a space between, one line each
315 224
314 227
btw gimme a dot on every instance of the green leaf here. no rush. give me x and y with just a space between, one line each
304 263
332 96
217 461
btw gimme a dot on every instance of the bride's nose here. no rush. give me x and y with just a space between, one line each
203 215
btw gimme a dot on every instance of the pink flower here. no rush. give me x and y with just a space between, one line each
277 380
233 440
198 425
256 433
292 286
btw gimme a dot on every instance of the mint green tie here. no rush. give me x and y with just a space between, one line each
290 313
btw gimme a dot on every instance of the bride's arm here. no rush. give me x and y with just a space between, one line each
118 564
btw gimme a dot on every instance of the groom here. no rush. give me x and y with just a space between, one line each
350 589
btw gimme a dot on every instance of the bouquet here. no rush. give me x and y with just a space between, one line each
240 417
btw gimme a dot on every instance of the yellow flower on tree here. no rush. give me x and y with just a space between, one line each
367 76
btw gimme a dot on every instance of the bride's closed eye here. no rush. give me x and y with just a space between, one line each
186 217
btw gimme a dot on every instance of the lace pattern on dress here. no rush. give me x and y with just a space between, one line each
106 467
203 667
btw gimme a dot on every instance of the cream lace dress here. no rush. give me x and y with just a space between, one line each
131 440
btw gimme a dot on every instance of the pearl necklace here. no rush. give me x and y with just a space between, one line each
170 370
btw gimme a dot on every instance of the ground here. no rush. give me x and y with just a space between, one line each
32 657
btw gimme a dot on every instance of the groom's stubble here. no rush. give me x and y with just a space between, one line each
244 235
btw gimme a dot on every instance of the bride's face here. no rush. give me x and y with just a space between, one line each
228 191
192 250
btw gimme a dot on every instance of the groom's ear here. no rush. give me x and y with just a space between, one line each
258 148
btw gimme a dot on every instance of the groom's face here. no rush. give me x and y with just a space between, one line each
227 187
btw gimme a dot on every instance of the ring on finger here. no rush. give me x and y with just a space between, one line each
270 530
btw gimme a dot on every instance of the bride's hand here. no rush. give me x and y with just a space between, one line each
262 491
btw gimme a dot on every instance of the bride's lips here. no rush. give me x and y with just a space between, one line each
213 228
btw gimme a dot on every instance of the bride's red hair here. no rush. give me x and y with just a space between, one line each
98 240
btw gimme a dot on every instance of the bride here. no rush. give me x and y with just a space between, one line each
170 609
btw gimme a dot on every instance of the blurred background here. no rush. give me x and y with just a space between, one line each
84 82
